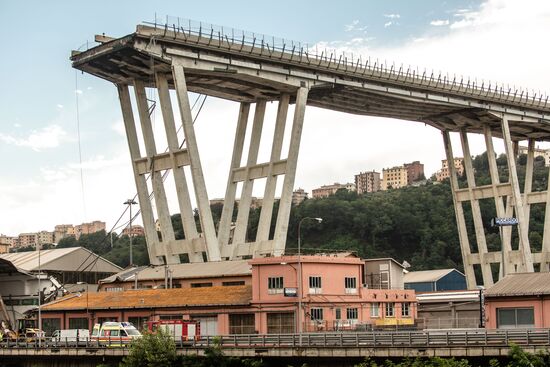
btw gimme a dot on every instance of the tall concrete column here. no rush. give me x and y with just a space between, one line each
499 203
545 256
283 216
476 212
180 181
161 201
231 189
205 214
459 214
141 184
269 194
248 184
523 226
528 185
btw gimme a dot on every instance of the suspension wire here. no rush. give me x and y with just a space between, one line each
79 143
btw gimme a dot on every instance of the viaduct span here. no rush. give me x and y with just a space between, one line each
251 70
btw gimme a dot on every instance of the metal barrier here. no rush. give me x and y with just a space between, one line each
400 339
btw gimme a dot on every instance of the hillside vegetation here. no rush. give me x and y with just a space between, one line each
416 224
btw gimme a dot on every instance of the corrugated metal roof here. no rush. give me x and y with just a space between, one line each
521 284
447 296
189 270
62 259
157 298
426 275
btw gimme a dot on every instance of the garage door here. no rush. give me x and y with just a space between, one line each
280 323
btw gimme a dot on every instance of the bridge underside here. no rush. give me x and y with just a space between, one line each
250 74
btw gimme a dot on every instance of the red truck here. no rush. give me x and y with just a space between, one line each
180 330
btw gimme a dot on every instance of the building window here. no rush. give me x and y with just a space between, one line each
101 320
242 324
406 309
78 323
509 318
171 317
315 285
140 322
51 325
352 314
280 323
351 285
236 282
316 314
338 315
375 309
201 285
390 309
275 285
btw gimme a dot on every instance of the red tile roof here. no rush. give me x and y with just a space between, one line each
155 298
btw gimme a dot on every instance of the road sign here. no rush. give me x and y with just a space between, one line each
291 292
500 222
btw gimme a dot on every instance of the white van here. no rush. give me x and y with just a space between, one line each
71 337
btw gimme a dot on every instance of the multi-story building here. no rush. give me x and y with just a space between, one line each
28 239
135 231
44 237
87 228
298 196
415 171
61 231
443 173
6 240
545 153
367 182
394 178
327 190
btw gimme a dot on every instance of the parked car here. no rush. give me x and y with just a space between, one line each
114 334
71 337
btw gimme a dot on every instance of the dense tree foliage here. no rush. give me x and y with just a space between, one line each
416 224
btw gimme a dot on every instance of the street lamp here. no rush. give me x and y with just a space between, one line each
130 202
300 281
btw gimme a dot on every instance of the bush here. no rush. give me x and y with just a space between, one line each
151 350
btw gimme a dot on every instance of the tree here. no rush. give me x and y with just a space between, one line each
151 350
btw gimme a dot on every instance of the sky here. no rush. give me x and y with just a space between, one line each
62 142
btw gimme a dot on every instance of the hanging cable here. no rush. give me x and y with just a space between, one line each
76 92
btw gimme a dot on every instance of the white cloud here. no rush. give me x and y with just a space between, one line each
60 106
439 22
46 138
392 16
390 23
17 125
355 26
78 91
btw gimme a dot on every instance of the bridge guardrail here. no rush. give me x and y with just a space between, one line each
393 339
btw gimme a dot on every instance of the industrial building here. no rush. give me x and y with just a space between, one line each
435 280
262 295
52 272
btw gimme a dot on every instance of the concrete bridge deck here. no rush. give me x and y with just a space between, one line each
475 343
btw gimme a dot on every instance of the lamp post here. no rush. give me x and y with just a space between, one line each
300 280
39 299
130 202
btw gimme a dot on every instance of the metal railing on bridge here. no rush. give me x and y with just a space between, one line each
401 339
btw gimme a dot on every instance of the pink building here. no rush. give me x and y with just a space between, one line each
519 300
333 296
266 300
